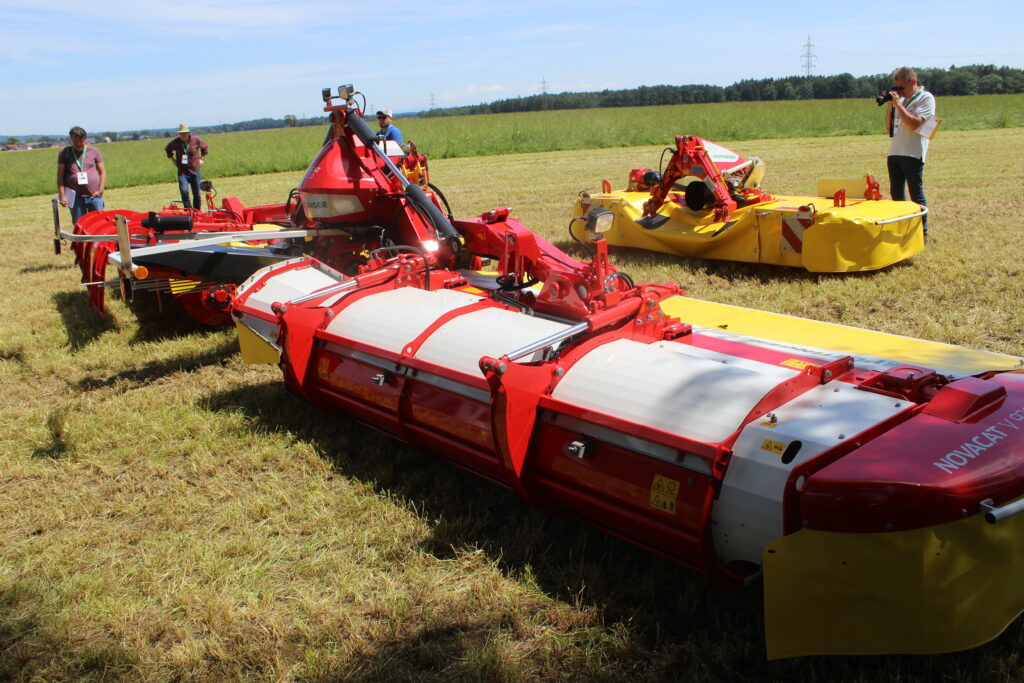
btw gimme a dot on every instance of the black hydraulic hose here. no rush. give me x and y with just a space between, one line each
446 231
413 192
444 199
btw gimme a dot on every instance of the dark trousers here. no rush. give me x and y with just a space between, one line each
185 180
908 172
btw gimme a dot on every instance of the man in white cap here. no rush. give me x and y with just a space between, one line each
387 130
186 152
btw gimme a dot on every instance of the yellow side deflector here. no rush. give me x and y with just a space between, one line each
940 589
840 338
256 349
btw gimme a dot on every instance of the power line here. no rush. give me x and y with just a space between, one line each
808 56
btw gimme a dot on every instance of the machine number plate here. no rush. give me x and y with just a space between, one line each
775 447
323 367
664 492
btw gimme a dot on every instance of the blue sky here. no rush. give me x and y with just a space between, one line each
123 65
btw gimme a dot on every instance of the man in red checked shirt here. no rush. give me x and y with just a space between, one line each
186 152
81 176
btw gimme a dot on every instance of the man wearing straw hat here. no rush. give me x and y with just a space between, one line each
186 152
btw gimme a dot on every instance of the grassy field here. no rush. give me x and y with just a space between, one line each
167 513
288 149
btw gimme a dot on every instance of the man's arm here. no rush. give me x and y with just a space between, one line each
911 121
103 178
888 117
60 184
170 152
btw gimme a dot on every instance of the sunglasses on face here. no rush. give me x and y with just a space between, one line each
379 116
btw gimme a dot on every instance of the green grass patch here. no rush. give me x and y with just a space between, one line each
291 149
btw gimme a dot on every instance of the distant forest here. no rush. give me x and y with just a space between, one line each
976 79
956 80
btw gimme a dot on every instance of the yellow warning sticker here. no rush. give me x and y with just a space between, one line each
664 492
323 367
776 447
181 286
798 364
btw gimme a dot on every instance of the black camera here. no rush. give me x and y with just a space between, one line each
885 97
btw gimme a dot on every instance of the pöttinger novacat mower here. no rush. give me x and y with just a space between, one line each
874 481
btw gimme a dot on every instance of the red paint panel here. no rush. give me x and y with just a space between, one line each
952 467
637 496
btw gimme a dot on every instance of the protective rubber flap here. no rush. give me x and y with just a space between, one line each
939 589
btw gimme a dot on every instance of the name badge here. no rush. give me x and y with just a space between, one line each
184 159
83 178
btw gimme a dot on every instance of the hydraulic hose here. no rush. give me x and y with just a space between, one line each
413 192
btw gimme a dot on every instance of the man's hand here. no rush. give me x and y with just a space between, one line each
98 193
63 200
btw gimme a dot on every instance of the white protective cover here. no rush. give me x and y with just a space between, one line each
288 285
460 343
748 512
392 319
676 388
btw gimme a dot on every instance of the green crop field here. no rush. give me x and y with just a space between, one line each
290 149
167 513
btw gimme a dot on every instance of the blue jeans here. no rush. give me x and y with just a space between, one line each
185 180
909 172
84 205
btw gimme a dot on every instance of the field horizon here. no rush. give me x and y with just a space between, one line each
135 163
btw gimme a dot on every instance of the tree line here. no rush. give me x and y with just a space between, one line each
964 80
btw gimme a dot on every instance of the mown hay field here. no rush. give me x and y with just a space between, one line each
167 513
288 149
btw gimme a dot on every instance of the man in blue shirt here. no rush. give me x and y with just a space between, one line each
388 131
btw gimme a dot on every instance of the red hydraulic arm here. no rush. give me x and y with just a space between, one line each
689 159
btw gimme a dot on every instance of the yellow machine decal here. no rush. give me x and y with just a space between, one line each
775 447
664 492
797 363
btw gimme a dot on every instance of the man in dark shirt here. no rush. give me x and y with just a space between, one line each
81 176
186 152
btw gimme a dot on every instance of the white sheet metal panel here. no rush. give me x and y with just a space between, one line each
459 344
673 387
392 319
748 512
290 284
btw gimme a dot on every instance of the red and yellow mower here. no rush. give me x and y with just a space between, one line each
874 481
708 203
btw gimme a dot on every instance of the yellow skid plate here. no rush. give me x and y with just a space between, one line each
940 589
862 344
255 349
853 238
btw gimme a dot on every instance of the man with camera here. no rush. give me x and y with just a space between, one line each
909 107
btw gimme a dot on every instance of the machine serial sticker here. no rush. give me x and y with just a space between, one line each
775 447
323 367
663 493
797 363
